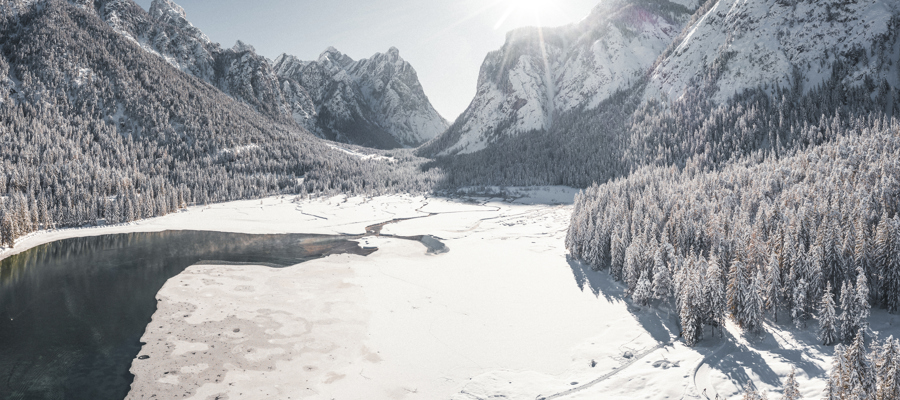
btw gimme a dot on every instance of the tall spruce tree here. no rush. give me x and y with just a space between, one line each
643 292
860 380
888 370
662 278
848 308
827 318
799 311
862 308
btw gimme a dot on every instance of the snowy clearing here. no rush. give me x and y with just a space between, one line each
502 314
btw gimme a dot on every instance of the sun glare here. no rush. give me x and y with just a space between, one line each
528 12
532 6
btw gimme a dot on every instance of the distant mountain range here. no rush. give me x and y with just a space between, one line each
376 102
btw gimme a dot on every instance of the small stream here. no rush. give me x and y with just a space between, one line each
433 243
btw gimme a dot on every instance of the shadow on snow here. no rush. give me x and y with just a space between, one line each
741 362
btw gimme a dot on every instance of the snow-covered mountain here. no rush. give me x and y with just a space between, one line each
379 98
377 102
736 45
540 73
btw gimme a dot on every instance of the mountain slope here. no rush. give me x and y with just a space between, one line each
379 104
542 73
737 45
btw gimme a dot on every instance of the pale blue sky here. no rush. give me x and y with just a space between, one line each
444 40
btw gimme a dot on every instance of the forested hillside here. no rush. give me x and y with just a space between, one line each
94 128
785 237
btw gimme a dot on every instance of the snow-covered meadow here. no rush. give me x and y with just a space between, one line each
503 314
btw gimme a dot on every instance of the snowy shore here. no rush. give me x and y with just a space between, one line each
503 313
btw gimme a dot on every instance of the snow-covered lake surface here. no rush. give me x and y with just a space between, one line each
503 314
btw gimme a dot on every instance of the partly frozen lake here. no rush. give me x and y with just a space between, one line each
72 312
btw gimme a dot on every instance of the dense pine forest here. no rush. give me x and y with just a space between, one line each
783 237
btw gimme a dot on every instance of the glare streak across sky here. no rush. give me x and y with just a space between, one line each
444 40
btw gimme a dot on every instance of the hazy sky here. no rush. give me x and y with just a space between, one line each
444 40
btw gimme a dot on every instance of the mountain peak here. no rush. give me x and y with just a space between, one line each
167 7
394 52
332 54
240 47
167 11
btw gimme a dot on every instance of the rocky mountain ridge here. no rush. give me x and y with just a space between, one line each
380 97
380 104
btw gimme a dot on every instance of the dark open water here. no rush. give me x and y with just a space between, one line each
72 312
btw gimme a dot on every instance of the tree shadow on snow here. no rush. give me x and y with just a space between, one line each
598 282
659 322
735 359
722 352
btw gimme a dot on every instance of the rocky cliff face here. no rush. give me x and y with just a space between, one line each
541 73
375 102
379 97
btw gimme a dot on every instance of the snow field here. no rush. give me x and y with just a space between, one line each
504 313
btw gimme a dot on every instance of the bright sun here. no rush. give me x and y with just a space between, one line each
532 6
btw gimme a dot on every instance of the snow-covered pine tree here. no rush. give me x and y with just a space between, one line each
887 370
714 293
832 245
754 305
838 387
632 268
827 318
848 305
815 275
791 387
643 292
736 292
861 311
618 247
798 313
691 326
882 255
752 394
892 272
662 278
7 230
773 285
862 252
860 381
